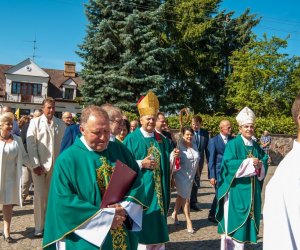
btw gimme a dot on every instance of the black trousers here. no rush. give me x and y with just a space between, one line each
213 206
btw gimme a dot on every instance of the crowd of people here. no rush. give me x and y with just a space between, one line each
70 165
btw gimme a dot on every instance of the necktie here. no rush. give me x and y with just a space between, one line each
225 140
197 139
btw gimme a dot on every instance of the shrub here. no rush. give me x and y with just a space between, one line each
275 125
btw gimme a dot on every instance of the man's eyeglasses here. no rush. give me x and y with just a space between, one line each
248 126
119 122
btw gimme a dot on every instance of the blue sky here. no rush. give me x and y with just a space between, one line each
59 26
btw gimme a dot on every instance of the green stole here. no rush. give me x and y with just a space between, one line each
156 183
245 193
79 179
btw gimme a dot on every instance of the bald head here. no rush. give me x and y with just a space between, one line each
37 113
133 125
6 109
94 126
92 110
225 127
67 118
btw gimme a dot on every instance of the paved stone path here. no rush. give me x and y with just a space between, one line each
205 238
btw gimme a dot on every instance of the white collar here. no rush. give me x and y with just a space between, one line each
223 136
44 118
146 134
247 142
112 137
160 133
85 143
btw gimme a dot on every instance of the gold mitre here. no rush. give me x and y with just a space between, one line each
148 105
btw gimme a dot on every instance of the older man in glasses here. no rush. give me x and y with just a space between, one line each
115 120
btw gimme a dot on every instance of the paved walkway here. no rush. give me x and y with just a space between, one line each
205 238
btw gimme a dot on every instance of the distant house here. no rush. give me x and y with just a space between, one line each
25 86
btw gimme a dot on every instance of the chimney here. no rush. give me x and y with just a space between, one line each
70 69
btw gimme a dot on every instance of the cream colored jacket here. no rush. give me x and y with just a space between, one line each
43 141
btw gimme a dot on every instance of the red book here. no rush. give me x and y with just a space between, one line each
119 184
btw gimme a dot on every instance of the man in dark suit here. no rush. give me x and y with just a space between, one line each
70 135
201 140
216 148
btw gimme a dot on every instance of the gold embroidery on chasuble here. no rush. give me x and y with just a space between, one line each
250 154
104 173
119 238
157 177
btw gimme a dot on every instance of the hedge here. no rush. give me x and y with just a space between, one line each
275 125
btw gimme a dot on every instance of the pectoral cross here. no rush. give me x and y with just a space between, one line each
250 155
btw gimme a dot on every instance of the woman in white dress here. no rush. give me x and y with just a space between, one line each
12 156
189 161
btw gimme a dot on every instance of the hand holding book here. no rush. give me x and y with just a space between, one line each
120 182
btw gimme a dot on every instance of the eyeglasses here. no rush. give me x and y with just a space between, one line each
119 122
248 126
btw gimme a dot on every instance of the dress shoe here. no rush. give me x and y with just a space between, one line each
191 231
212 219
176 222
194 207
8 239
38 233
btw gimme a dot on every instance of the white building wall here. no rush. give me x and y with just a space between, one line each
74 108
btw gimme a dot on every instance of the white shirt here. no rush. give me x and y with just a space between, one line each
225 138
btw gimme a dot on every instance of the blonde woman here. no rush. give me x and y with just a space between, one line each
12 156
189 161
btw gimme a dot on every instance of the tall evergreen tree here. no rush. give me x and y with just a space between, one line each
124 53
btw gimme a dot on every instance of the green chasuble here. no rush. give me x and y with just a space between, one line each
79 180
156 183
245 193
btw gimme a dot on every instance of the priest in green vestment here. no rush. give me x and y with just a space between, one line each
243 169
152 153
81 175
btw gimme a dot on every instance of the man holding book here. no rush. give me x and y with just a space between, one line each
74 219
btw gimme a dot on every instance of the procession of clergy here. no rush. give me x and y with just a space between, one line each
72 167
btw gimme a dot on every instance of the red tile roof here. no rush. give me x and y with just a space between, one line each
57 77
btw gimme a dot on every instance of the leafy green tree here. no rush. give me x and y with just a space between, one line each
204 38
261 77
123 51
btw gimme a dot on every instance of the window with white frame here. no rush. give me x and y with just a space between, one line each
69 93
